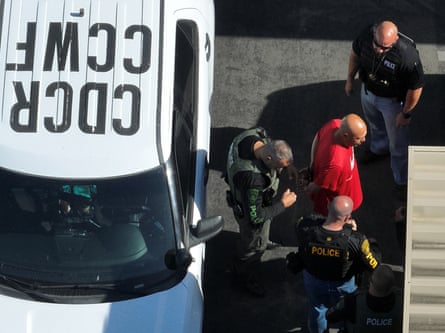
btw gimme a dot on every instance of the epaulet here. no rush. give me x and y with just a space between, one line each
262 132
407 39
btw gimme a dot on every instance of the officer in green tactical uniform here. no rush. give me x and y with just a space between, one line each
253 167
378 309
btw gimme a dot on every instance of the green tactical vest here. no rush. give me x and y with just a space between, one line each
368 321
235 164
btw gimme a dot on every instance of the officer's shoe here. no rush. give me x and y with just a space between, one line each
272 245
254 287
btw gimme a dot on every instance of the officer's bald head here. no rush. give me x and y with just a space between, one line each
340 208
385 36
386 31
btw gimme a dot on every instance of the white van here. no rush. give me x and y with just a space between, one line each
104 146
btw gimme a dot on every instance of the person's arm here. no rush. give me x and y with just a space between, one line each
411 100
353 67
326 179
337 312
312 187
253 205
369 257
313 151
343 310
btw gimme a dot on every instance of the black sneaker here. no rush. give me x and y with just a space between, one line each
272 245
368 156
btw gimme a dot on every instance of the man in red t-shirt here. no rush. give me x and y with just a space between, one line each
333 165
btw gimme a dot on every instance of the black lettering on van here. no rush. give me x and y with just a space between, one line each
110 47
135 109
146 49
101 90
25 105
24 113
28 47
67 102
56 43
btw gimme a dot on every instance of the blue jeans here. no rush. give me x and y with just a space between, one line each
381 113
321 296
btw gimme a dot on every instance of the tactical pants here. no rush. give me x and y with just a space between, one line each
251 245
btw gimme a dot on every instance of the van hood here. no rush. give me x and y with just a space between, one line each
175 310
79 87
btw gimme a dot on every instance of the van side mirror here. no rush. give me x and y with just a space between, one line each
206 229
178 259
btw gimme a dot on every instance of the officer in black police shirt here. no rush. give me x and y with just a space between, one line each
331 252
392 78
377 309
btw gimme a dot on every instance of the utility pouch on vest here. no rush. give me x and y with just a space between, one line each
268 196
232 203
294 262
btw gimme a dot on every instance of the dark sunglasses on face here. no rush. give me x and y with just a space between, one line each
381 47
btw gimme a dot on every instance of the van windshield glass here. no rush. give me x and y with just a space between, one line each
56 231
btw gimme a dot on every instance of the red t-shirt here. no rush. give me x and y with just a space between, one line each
335 170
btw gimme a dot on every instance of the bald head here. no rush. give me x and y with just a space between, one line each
340 208
353 130
382 281
385 35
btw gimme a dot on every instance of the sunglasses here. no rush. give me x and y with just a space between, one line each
381 47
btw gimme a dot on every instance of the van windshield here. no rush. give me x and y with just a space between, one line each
59 231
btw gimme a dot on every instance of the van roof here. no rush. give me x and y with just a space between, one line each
78 92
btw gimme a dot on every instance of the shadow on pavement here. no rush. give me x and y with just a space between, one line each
240 312
295 114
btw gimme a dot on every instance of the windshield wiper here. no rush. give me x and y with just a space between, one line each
42 292
128 289
28 288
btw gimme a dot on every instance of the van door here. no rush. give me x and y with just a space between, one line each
191 119
192 96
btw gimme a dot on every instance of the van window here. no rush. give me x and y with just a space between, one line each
63 231
185 98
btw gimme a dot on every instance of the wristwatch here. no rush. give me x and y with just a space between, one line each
406 115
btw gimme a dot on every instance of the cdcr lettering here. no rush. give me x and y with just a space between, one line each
62 48
31 108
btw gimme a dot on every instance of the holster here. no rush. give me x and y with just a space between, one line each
232 203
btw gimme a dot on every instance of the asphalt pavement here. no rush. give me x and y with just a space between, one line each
282 64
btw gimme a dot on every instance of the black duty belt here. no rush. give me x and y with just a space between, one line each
378 92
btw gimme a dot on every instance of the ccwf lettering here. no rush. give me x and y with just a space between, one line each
66 46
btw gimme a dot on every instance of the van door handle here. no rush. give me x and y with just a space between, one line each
207 47
80 13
